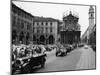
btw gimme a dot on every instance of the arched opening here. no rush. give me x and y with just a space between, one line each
21 37
51 39
14 36
27 39
34 39
42 40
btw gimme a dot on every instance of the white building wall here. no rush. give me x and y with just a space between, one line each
55 30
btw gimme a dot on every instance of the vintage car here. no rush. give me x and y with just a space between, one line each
74 46
61 51
69 48
81 45
86 47
28 63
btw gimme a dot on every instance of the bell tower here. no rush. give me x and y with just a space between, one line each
91 16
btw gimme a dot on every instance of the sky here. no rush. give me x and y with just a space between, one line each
56 11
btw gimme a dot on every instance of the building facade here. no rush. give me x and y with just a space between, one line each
70 32
89 36
27 28
21 23
44 30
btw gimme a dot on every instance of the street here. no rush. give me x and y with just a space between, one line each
79 58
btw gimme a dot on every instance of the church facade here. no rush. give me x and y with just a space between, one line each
70 32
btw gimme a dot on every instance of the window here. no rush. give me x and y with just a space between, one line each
28 26
37 23
46 30
38 31
46 23
18 22
22 24
31 18
42 30
51 29
18 11
24 15
51 24
15 10
42 23
14 20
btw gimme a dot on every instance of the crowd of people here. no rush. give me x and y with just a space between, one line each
20 51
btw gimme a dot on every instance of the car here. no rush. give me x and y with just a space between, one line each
69 48
28 64
74 46
27 60
80 45
61 52
85 46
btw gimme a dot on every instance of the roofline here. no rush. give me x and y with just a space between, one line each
12 4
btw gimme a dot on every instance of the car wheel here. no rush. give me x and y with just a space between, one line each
57 54
27 69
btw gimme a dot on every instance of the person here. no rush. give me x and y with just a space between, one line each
22 52
38 49
26 51
20 42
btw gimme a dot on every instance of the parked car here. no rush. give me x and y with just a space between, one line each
69 48
28 64
85 46
80 45
74 46
61 51
26 60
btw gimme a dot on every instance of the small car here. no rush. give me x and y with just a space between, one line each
69 48
61 52
80 45
85 46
